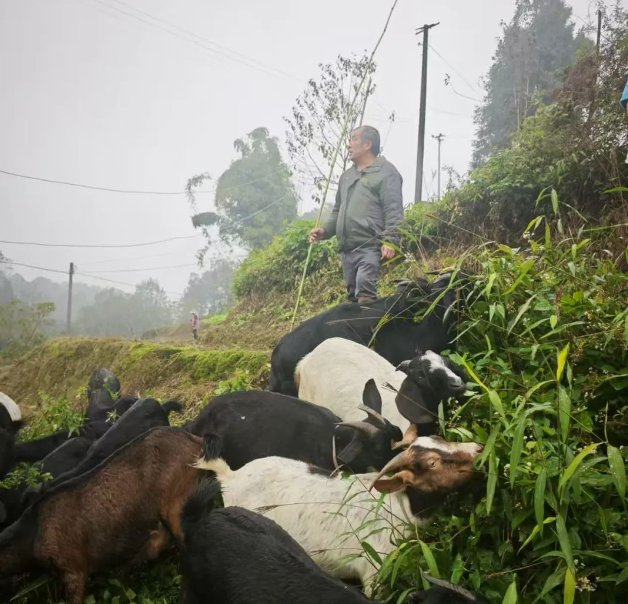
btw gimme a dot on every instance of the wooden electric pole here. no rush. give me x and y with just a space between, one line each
418 185
439 138
599 29
71 275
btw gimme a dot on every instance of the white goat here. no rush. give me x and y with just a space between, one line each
334 373
327 516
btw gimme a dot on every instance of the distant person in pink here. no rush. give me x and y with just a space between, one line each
195 323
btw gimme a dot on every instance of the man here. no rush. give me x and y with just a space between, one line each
624 98
366 214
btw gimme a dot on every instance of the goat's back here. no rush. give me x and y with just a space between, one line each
235 556
335 372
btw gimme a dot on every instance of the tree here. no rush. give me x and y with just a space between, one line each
532 54
209 292
116 313
22 326
254 196
315 126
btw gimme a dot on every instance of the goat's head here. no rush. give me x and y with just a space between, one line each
430 465
372 438
430 379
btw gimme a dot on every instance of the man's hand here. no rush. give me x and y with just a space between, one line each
387 252
316 235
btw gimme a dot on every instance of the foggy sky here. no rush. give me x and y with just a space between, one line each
94 96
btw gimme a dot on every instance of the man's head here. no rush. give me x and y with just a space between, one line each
365 143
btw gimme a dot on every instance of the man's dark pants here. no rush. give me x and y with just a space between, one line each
361 268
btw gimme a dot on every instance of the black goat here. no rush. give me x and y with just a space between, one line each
61 460
234 556
397 339
257 424
104 379
140 418
104 416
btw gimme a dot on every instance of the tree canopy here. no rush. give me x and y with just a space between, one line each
535 48
210 291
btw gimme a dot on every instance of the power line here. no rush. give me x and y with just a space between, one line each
40 268
272 71
139 270
128 259
95 188
470 86
76 245
131 191
90 276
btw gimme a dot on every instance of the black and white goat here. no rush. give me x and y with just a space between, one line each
234 556
420 384
329 517
255 424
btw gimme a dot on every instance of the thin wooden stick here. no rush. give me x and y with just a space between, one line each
333 162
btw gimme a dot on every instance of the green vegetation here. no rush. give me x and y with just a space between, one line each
21 327
545 337
278 267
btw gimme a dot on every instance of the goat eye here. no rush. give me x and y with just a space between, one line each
432 464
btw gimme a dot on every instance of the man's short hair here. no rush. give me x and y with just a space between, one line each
371 135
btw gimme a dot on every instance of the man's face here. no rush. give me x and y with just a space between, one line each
358 149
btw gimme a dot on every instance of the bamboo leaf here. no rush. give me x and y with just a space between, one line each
429 558
496 402
570 587
623 575
522 310
535 531
548 237
539 498
618 470
368 548
553 581
489 285
491 483
554 196
525 267
515 452
575 464
565 543
564 412
562 359
511 594
534 388
617 190
553 321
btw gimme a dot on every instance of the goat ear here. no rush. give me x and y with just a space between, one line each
411 405
211 447
404 366
392 484
371 396
349 453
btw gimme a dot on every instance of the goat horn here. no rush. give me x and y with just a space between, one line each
362 427
373 414
333 452
451 587
409 437
400 461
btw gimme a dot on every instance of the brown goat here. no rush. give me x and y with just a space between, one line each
112 515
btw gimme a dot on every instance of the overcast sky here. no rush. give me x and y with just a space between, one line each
91 95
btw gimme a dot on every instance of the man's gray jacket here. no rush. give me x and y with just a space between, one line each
368 208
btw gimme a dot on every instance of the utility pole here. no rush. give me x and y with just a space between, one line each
71 275
439 138
418 185
599 29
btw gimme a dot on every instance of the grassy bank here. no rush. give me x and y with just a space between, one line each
62 367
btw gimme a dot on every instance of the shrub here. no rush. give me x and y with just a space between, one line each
279 266
545 337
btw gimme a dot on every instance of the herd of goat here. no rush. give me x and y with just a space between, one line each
126 486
